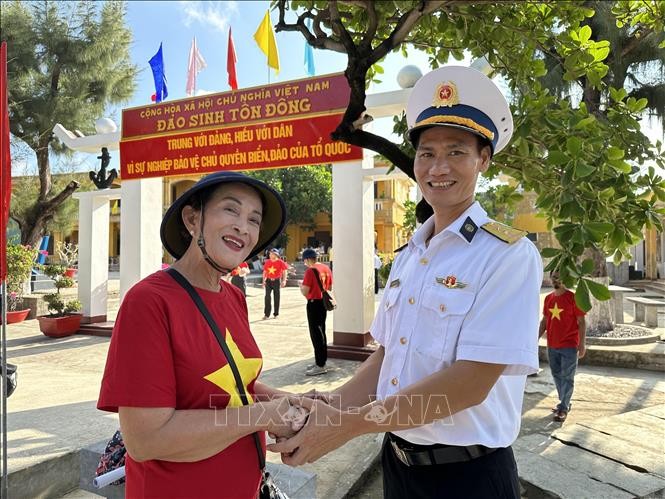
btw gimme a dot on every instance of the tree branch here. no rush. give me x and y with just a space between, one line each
56 201
340 30
319 38
366 43
403 28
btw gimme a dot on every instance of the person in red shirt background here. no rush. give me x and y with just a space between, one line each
274 278
238 277
566 341
316 312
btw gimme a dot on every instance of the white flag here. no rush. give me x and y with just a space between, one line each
196 63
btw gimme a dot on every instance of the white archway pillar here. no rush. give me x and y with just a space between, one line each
140 218
93 266
353 246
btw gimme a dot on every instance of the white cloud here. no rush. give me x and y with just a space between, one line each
211 14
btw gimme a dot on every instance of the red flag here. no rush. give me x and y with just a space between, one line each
231 63
5 162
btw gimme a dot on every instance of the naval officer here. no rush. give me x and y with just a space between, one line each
456 322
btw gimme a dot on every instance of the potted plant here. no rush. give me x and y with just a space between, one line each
20 260
69 255
63 319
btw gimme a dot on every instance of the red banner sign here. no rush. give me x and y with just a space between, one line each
302 141
311 96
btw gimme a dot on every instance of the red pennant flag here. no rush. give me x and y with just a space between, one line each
231 63
5 162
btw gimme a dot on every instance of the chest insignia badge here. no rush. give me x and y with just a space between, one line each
394 283
451 282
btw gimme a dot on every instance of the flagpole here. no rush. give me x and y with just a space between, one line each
3 352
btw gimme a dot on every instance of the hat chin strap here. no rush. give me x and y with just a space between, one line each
202 245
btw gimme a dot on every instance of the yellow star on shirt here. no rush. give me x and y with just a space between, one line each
556 311
271 270
248 368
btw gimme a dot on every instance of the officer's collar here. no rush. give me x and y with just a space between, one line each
466 226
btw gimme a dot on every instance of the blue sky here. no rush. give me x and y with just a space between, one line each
179 22
175 23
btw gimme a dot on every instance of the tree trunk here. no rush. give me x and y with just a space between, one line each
599 319
599 262
34 224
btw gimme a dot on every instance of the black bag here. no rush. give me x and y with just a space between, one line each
268 489
113 457
12 378
328 299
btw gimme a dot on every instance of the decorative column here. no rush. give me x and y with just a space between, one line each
353 237
93 268
140 218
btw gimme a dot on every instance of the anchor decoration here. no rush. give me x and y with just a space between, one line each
100 179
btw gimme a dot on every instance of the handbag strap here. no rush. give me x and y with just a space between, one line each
180 279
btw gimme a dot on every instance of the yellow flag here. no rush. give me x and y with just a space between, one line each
265 39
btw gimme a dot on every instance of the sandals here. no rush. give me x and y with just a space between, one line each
560 416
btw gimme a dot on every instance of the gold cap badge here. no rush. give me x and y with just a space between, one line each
446 95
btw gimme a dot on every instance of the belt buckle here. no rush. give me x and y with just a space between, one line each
401 455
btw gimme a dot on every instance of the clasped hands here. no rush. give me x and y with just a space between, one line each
310 428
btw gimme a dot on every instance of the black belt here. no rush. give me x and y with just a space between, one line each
427 455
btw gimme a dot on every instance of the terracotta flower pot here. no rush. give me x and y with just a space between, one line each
58 327
70 273
14 316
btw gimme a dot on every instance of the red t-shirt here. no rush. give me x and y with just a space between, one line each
310 280
561 315
163 354
243 265
273 269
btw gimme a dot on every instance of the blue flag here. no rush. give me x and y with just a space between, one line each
309 53
157 66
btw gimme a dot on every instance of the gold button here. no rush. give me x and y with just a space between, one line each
394 381
402 340
412 300
442 307
424 261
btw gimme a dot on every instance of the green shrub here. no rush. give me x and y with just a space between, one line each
55 302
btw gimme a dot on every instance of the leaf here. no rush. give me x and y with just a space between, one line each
556 157
614 152
598 290
584 33
549 252
582 296
587 266
584 170
573 145
584 122
601 228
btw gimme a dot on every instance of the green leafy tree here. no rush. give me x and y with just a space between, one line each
306 190
593 169
67 61
410 220
499 201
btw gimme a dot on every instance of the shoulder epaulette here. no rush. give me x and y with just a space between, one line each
505 233
401 248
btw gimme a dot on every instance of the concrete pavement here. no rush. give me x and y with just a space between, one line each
52 414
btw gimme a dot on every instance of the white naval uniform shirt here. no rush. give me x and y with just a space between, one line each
425 326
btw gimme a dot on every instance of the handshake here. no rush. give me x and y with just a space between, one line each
304 427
